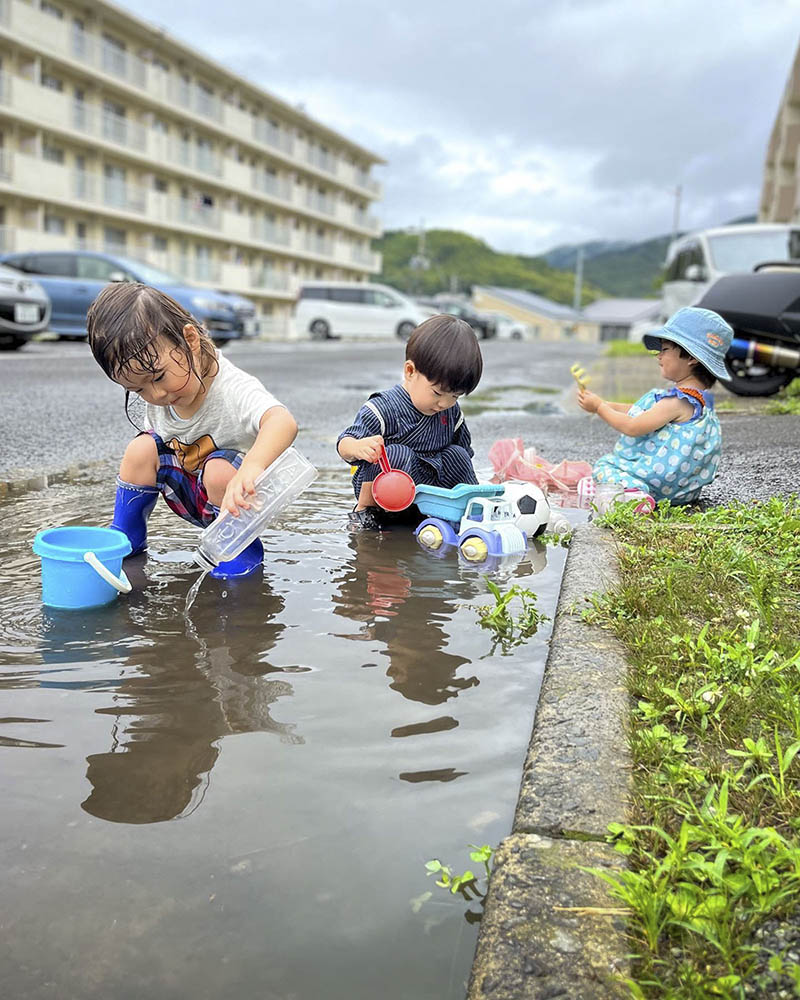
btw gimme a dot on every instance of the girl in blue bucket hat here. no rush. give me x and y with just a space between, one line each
670 441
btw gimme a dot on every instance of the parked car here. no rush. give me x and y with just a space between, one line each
247 324
483 324
510 329
73 279
695 261
329 309
24 309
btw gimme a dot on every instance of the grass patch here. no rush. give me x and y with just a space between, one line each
708 606
626 349
787 400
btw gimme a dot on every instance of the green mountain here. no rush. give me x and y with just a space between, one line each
455 261
622 268
634 272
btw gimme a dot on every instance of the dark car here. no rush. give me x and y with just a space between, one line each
73 279
484 326
24 309
247 324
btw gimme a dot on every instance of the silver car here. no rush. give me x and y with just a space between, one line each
24 309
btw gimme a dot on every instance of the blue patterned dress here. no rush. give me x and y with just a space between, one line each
672 463
434 450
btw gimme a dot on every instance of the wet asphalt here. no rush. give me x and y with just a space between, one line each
58 411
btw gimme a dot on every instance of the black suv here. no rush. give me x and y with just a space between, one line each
484 326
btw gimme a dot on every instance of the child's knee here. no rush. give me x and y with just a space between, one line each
140 462
217 473
400 456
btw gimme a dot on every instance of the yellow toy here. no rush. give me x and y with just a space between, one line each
580 376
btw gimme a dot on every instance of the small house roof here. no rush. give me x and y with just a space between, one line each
530 301
621 311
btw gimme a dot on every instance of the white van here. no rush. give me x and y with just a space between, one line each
696 260
326 309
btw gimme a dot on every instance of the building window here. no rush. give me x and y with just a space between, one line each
159 184
160 244
53 154
114 239
55 224
50 8
52 82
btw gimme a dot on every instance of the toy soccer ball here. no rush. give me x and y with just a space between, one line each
531 509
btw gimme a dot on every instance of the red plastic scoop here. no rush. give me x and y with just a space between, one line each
392 488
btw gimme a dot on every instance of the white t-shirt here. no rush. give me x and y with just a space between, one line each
229 417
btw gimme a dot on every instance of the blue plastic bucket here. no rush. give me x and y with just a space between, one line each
81 567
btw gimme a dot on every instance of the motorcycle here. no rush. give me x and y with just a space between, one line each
763 307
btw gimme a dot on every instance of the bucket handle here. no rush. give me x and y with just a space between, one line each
120 583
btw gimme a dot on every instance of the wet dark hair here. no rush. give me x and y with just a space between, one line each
129 322
699 371
445 350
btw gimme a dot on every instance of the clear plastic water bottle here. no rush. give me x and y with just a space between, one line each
276 487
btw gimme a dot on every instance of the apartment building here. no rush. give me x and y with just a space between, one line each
780 189
115 136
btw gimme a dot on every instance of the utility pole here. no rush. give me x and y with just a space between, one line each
419 262
578 287
676 213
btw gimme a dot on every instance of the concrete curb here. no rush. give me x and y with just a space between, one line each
550 929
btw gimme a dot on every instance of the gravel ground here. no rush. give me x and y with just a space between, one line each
58 410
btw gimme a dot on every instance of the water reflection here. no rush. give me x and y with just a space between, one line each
177 690
406 598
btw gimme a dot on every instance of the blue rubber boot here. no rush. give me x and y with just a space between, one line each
247 562
132 507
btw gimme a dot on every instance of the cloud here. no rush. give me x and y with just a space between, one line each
534 122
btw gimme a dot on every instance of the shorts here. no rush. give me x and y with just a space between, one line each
184 491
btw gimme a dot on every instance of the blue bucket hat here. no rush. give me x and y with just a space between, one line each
701 332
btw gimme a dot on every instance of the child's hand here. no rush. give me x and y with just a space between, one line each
238 490
589 401
368 449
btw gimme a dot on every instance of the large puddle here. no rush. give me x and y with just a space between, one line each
242 804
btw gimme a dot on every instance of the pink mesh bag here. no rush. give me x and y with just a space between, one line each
511 460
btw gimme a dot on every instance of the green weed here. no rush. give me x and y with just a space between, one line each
707 606
626 349
510 629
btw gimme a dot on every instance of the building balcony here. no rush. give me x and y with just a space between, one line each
269 279
265 231
323 204
113 193
271 184
366 258
259 281
271 135
68 41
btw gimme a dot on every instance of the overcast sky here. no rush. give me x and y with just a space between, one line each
527 123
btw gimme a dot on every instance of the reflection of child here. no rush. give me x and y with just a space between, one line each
419 421
671 442
211 429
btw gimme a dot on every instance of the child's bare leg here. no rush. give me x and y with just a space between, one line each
139 464
217 473
365 497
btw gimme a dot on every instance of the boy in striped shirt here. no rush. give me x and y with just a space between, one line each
418 420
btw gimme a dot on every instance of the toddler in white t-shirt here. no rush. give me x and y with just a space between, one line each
210 428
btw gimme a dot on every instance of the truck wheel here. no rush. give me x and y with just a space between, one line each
756 380
320 330
474 549
404 330
10 342
431 537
